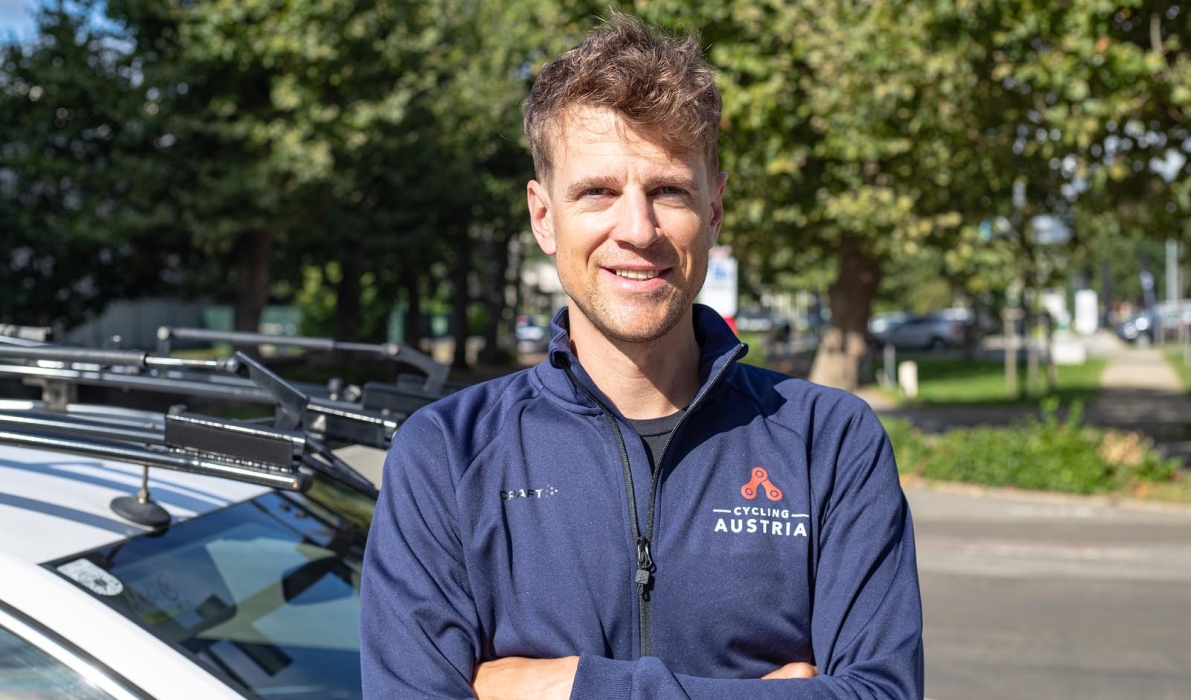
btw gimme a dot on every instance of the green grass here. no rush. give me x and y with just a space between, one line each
1043 454
1178 359
952 382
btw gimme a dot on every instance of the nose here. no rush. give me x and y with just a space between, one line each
636 224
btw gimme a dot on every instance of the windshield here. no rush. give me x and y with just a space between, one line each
265 593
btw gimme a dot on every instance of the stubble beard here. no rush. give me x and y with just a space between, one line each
616 322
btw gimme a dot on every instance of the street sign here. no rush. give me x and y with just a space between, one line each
720 287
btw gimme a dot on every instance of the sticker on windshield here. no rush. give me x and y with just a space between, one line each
91 577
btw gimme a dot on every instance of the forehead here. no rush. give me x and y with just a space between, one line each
585 136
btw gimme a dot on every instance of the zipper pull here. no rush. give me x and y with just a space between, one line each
644 565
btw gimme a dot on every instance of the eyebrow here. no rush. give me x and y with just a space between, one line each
577 188
682 183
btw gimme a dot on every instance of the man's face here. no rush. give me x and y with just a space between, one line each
630 224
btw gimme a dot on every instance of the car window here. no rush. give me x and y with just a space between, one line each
29 672
265 593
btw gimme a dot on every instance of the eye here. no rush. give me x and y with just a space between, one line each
671 191
596 191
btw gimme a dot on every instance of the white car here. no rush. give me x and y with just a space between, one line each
246 587
182 556
249 591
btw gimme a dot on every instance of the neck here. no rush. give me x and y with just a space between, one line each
643 380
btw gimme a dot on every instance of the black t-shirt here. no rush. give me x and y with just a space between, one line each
654 433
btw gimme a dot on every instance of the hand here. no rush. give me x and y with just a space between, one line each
517 678
797 669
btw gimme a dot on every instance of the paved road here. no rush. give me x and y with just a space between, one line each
1048 597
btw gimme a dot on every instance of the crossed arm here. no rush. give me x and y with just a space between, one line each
420 636
551 679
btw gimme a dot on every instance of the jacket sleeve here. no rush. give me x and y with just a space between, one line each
866 616
418 626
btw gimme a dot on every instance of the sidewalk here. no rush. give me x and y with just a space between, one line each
1139 391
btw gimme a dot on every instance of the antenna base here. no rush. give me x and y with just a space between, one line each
148 513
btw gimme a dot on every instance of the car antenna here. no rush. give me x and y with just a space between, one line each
141 508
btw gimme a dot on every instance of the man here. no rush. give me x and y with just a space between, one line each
640 516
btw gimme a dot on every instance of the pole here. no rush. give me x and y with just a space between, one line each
1010 346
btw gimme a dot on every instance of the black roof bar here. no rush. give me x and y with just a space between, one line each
293 409
110 358
436 374
60 424
178 459
218 447
336 420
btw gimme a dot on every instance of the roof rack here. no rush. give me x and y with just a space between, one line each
229 444
59 370
25 335
190 443
436 374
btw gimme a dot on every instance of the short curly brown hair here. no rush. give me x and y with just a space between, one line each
660 85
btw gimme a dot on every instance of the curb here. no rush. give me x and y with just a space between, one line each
911 482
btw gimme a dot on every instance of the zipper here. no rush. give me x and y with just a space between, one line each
645 564
644 573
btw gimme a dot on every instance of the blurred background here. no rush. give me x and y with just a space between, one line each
973 213
356 169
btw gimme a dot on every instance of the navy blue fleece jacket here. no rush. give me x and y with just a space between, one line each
514 516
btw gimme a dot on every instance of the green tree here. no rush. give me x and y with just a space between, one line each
81 220
861 133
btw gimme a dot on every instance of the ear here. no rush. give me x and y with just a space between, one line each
717 220
541 221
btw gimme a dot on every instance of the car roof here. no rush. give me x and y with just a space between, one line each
55 504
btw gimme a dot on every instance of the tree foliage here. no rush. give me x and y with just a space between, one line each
80 220
860 134
245 148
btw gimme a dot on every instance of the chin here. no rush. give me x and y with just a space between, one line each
639 327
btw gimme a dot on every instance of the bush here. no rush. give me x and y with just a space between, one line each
1044 454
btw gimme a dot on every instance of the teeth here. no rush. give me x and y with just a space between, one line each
637 274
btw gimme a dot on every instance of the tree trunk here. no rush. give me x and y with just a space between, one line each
347 292
842 350
412 323
459 307
253 251
495 291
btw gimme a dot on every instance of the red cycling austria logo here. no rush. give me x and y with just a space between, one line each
772 520
760 479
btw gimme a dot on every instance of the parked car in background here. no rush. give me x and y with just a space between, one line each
761 322
1138 326
937 330
1142 326
531 334
884 322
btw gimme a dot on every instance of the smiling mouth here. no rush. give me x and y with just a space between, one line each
639 275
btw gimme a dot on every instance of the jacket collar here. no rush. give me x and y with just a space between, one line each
717 343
